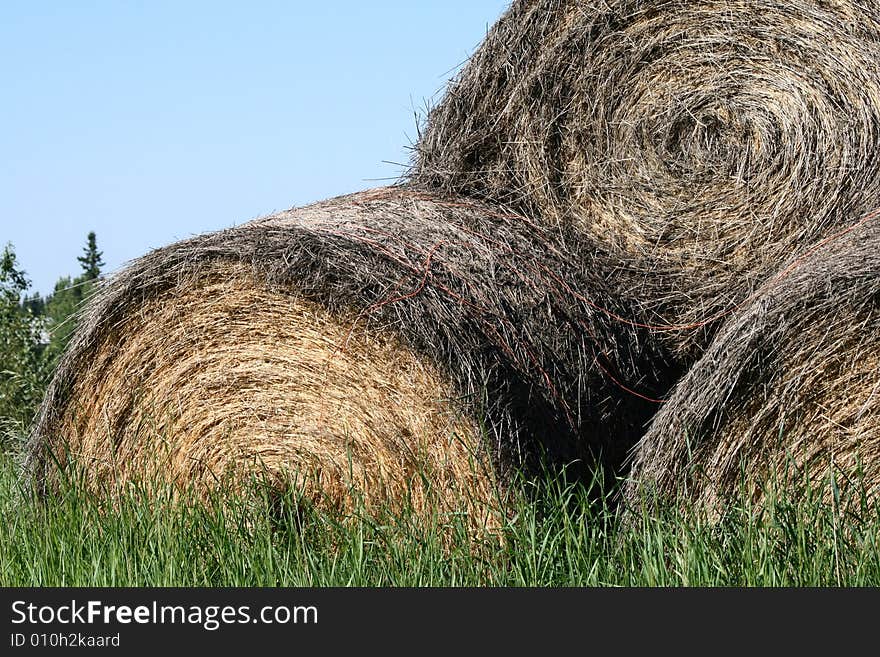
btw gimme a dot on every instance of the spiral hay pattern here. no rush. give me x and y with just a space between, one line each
701 142
790 388
220 378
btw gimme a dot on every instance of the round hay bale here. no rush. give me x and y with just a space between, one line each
787 394
701 142
221 377
361 340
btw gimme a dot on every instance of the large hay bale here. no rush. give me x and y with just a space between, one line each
222 376
603 185
701 142
363 339
787 394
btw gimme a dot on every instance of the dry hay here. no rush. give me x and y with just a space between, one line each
701 143
219 378
386 328
787 394
599 190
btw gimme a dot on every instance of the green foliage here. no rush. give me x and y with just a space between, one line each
34 304
22 372
34 332
59 313
59 309
14 281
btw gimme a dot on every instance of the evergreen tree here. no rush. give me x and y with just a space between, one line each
60 308
67 298
91 258
34 304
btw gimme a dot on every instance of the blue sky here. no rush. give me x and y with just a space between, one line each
148 122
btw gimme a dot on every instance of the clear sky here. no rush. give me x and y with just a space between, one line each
151 121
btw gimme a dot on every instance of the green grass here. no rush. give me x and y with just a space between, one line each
560 538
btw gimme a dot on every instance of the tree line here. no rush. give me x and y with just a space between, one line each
34 332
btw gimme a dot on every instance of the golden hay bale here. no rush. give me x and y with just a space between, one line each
361 339
787 394
701 142
221 377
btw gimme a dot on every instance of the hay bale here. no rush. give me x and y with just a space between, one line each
787 394
362 338
600 188
221 377
700 142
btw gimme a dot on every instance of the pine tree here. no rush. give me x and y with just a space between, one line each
91 258
59 312
34 304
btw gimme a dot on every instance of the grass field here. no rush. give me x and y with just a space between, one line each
560 538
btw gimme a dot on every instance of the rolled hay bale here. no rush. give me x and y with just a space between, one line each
700 142
220 378
362 340
788 393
